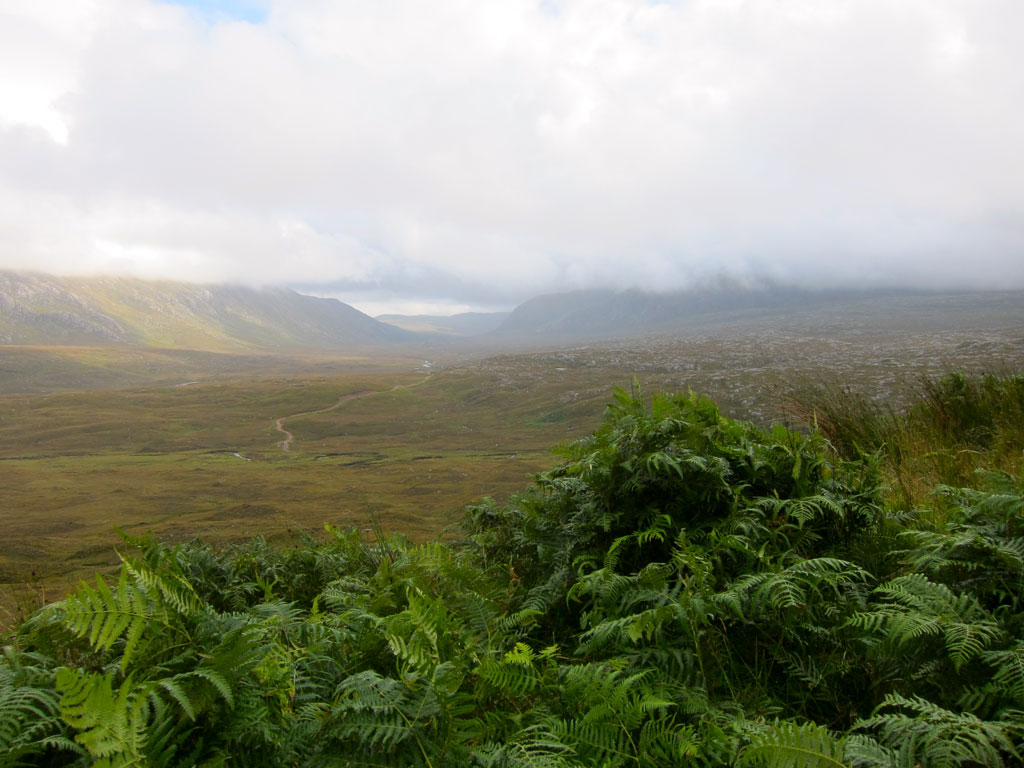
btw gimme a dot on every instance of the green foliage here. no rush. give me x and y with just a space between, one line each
111 725
684 590
29 710
954 425
924 733
104 616
793 745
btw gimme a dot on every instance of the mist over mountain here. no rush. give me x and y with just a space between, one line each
37 309
44 310
604 314
462 324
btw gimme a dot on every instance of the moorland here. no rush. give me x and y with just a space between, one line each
182 443
186 453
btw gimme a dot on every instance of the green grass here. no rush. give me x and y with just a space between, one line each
78 465
950 427
49 369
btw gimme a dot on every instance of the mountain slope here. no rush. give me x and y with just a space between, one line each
604 314
38 309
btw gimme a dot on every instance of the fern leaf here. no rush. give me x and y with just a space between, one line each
217 680
174 589
1009 674
103 615
793 745
27 715
110 725
938 737
510 679
177 693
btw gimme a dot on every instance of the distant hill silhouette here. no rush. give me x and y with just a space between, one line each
43 310
37 309
463 324
598 314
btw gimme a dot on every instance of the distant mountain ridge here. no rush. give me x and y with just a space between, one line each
598 314
43 310
463 324
38 309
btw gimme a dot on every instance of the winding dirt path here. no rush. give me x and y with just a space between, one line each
289 437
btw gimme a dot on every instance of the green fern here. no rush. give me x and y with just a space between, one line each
935 737
29 719
811 581
917 609
111 724
793 745
1008 678
383 715
516 675
104 616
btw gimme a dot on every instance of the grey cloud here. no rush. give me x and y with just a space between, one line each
481 154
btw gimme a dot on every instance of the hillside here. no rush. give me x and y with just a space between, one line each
606 314
47 311
38 309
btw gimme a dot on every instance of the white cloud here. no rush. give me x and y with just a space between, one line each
41 46
473 153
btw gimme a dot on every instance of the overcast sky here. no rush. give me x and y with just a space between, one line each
455 154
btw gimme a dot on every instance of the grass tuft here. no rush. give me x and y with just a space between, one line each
953 426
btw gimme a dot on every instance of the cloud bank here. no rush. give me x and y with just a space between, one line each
475 154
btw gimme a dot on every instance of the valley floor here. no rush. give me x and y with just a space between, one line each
206 459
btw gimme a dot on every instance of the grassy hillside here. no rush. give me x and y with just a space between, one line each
40 309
